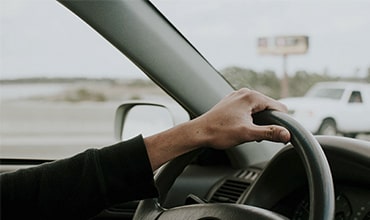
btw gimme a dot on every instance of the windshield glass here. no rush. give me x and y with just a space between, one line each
61 82
328 93
280 48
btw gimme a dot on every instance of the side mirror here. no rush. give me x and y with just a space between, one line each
143 118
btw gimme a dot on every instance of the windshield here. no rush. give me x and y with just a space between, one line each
61 82
262 44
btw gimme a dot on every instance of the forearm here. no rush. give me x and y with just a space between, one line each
176 141
81 186
52 189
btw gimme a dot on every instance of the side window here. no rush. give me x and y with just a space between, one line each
59 90
355 97
58 117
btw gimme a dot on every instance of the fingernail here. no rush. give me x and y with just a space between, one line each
284 135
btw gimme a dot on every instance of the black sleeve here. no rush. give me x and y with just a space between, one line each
81 186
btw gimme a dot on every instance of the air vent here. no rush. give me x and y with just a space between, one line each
230 191
249 175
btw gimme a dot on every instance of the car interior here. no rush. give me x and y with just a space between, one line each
312 177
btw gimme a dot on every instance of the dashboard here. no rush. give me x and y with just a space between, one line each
281 184
351 202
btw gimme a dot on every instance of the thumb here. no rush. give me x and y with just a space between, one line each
271 133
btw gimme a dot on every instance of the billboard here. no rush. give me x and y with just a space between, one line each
283 45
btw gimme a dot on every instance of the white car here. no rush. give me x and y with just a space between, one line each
330 108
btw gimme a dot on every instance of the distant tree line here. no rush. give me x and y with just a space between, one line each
268 82
113 81
54 80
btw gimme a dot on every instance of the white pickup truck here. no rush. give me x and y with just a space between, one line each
331 108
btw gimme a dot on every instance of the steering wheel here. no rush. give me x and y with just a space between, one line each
322 203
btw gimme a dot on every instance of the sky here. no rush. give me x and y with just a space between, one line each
43 38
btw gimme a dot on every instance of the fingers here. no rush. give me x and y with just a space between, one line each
271 133
230 122
259 102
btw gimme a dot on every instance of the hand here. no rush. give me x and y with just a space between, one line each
227 124
230 122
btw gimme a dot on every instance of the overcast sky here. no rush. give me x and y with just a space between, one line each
42 38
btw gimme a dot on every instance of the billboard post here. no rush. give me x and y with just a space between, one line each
283 46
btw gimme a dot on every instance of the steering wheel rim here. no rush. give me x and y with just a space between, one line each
320 182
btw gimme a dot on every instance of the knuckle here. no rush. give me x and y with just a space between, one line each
247 94
269 133
244 92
